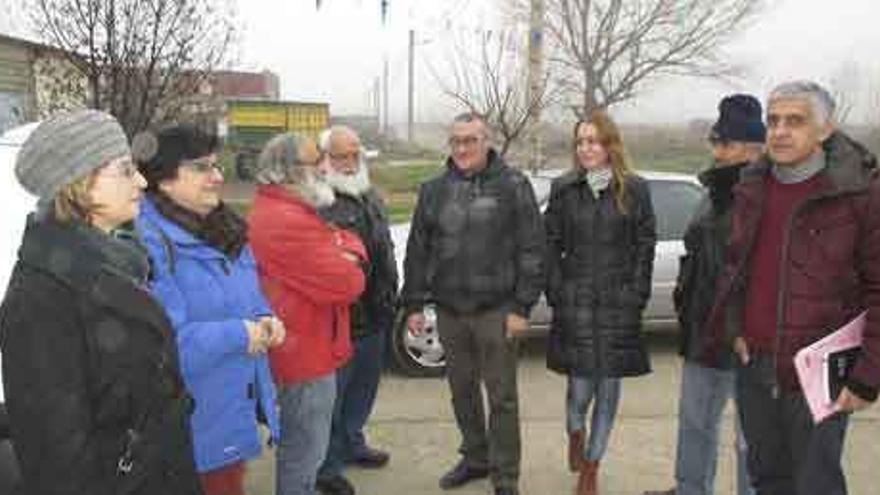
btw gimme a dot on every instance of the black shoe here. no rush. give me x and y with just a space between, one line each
506 491
370 458
334 485
461 474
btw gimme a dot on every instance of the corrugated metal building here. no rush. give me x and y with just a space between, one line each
17 92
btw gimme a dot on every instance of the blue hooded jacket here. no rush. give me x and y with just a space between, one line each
207 296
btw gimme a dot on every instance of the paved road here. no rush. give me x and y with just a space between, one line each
413 419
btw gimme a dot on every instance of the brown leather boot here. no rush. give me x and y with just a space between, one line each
575 450
587 481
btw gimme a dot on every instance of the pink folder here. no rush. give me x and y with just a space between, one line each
811 366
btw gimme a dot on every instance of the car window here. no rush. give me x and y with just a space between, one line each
674 204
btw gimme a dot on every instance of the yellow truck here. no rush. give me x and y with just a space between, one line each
250 124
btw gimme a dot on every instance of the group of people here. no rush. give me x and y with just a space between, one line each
148 328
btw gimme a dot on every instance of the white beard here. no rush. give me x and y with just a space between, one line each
351 184
316 191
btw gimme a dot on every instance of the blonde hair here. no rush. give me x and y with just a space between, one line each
612 141
73 201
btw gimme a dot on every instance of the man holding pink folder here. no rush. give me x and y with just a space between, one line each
803 260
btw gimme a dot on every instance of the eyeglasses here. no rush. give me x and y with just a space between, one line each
341 157
204 165
125 170
466 141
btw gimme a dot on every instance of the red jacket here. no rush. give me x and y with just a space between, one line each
308 281
830 265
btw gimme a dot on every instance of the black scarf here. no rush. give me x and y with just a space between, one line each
221 229
64 248
720 181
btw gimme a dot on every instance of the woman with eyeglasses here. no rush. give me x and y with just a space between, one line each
601 234
94 392
205 276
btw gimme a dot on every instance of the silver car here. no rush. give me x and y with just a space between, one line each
675 197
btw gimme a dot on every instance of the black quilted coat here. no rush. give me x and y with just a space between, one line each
599 277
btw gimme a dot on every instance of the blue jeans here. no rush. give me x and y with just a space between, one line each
306 414
356 385
581 392
704 393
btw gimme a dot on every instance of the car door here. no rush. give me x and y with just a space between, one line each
675 201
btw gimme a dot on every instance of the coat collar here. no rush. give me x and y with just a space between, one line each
850 167
70 256
150 219
494 166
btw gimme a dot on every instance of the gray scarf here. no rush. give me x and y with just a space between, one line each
792 174
598 180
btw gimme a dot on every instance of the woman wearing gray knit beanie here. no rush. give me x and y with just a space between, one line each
94 393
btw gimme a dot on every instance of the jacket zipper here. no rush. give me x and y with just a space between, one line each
783 286
594 213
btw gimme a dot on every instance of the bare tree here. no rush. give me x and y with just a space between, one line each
492 82
604 51
142 58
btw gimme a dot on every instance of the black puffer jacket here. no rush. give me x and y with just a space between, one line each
365 215
599 277
95 398
704 240
476 243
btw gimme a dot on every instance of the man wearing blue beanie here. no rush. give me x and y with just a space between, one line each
736 138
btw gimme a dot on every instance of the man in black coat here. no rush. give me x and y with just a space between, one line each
358 208
737 139
476 250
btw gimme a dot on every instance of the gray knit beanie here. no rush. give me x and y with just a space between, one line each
66 147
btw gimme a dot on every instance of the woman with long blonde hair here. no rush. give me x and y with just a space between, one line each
601 235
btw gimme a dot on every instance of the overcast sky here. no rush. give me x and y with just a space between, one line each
335 54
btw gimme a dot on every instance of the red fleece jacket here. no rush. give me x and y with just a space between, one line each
308 280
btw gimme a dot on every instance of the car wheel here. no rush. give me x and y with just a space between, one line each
420 355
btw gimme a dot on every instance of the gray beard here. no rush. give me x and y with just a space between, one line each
316 192
353 185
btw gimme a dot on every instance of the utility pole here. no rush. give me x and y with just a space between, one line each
536 82
412 89
376 103
385 121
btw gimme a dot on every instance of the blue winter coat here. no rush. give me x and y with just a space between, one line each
207 296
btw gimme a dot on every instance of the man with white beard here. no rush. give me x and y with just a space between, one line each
311 272
359 209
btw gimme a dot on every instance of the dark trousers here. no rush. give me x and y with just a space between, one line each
478 350
356 386
787 453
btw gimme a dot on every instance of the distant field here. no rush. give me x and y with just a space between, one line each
399 183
